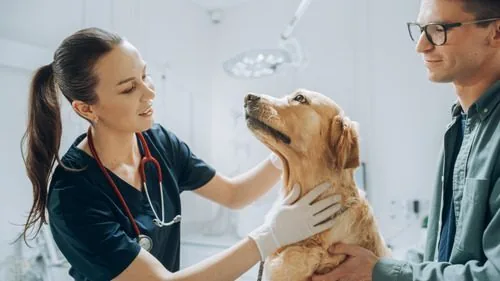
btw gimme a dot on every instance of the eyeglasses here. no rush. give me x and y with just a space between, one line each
436 33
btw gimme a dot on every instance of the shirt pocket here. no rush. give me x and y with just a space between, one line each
472 219
476 191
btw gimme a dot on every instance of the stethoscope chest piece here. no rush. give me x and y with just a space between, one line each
145 242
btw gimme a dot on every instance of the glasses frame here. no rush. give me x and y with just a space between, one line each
444 26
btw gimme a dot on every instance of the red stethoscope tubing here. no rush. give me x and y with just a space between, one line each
147 158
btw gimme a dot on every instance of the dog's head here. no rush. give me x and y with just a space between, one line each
304 126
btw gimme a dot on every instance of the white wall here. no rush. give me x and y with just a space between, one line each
359 54
14 201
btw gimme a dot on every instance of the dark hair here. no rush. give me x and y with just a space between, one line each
71 72
482 9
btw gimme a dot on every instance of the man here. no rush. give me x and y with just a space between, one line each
460 43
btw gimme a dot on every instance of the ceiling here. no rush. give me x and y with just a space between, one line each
218 4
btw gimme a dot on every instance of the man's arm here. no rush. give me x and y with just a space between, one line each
387 269
362 264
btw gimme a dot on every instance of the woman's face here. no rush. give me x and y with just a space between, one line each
125 92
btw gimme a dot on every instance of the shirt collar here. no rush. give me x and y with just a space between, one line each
484 105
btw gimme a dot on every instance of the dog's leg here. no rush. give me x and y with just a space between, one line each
295 263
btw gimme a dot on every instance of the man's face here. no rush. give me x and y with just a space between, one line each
467 50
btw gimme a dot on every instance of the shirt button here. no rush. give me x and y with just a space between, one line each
485 110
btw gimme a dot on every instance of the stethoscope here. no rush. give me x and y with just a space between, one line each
144 241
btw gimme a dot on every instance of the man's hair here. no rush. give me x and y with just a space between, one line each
482 9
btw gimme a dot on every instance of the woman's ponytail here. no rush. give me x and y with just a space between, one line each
41 142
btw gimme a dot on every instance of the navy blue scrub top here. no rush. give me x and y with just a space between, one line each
89 224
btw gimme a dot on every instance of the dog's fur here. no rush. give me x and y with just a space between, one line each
316 143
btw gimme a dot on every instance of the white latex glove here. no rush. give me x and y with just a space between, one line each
276 161
286 224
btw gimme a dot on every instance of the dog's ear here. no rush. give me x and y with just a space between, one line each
344 143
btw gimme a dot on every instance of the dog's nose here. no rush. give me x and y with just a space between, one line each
251 98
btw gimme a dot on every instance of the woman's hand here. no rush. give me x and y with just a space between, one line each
288 223
276 161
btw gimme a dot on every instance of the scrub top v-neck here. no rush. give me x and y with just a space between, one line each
89 224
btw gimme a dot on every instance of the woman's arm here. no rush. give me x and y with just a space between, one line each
238 192
285 224
227 265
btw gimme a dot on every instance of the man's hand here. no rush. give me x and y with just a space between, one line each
358 265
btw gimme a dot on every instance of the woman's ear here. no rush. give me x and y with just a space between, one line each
84 110
344 143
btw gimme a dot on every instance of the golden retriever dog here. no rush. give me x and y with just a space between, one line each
316 143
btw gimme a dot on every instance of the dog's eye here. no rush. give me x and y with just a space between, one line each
300 98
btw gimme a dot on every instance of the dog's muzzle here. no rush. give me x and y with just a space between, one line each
253 116
251 99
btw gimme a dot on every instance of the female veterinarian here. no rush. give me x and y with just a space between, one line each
113 202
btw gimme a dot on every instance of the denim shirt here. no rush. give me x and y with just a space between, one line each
448 228
476 197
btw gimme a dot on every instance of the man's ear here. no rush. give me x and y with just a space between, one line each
495 35
344 143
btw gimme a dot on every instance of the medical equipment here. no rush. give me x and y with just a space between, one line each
259 63
143 240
